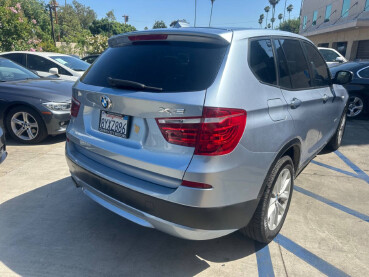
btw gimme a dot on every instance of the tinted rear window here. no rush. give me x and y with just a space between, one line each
173 66
262 61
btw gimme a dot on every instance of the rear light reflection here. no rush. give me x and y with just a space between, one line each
75 107
195 185
217 132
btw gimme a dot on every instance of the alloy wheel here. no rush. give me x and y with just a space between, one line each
24 126
355 107
279 198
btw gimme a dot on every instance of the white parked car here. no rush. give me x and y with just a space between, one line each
47 64
332 56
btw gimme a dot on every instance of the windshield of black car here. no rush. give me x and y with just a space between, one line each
171 65
329 55
10 71
71 62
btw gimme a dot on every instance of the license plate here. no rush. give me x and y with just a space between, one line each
114 124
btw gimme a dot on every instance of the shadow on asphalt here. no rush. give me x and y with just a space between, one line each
56 230
49 140
357 131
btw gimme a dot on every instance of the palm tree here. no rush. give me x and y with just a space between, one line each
266 9
260 22
272 20
273 3
284 11
280 17
211 12
289 9
261 19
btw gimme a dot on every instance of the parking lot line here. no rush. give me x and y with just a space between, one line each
264 261
336 169
332 204
354 167
309 257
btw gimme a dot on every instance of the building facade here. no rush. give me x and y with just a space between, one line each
339 24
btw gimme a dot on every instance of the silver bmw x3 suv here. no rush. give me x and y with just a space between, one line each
200 132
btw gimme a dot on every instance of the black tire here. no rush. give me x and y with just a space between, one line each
258 228
39 135
356 100
336 140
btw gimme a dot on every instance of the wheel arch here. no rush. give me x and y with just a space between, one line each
291 149
16 104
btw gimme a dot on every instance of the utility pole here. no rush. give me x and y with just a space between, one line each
54 6
126 17
52 24
195 13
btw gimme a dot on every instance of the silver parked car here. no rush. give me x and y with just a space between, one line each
48 64
200 132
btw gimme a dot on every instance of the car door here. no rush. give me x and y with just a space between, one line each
304 102
39 64
330 105
42 66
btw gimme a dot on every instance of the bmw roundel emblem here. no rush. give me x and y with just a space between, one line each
105 102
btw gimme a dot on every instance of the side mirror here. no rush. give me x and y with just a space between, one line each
340 60
342 77
54 71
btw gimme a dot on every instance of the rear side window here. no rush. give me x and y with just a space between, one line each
171 65
297 64
318 66
261 59
364 73
16 57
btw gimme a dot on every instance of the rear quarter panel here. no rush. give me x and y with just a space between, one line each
238 176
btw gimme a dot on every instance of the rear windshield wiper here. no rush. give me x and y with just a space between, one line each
130 85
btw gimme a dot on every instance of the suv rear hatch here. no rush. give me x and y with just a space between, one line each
141 87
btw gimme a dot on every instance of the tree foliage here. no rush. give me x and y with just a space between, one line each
109 28
17 32
159 24
292 25
25 25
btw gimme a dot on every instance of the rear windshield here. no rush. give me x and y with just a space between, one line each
172 66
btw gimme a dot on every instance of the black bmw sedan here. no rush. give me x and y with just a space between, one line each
31 108
358 88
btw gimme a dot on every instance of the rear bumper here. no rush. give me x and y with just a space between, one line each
178 220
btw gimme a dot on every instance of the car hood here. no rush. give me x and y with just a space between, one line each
45 89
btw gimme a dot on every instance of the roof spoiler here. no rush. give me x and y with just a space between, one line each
224 38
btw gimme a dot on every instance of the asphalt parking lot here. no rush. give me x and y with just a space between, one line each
49 228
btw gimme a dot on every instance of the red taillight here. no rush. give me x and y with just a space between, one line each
75 107
195 185
217 132
147 37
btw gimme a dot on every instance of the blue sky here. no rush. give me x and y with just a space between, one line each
231 13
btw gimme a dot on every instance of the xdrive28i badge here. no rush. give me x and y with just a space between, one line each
105 102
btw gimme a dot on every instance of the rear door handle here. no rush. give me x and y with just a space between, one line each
295 103
325 98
